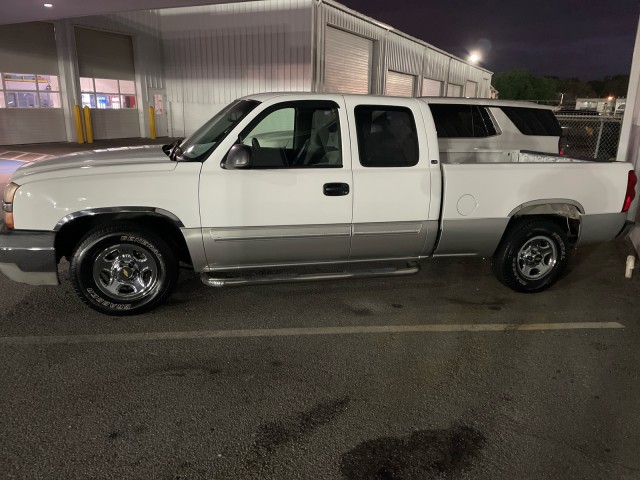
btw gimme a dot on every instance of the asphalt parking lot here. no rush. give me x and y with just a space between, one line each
443 375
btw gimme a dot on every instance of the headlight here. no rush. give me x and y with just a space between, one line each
7 203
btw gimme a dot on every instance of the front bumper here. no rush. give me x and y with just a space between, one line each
28 256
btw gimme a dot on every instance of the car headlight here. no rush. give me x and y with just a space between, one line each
7 203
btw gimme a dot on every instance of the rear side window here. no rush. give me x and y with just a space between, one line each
534 121
462 121
387 136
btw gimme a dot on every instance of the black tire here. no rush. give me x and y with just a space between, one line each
531 256
123 269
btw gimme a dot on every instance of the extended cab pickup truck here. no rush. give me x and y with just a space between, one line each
291 180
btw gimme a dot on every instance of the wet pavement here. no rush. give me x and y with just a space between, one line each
303 390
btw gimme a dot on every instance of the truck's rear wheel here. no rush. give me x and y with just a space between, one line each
532 256
123 270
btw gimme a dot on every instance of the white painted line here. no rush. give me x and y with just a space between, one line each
21 155
294 332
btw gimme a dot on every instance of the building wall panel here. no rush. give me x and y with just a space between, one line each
393 50
458 72
144 26
403 55
34 125
435 65
337 16
115 124
216 53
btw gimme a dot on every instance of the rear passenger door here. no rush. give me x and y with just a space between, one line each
391 178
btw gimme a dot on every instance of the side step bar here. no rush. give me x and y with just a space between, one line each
211 281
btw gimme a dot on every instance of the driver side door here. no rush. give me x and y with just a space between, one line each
294 203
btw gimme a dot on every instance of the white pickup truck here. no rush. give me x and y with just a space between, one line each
291 180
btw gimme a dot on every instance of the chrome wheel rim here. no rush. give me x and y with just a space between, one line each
125 272
537 258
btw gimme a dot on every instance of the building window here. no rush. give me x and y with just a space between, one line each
106 93
28 90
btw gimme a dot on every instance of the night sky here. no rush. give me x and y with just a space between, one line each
565 38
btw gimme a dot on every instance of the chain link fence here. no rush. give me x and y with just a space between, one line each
591 136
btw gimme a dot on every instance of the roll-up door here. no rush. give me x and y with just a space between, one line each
30 97
471 89
28 47
431 88
347 62
104 54
107 82
454 90
399 84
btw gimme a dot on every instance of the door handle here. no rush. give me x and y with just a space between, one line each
335 189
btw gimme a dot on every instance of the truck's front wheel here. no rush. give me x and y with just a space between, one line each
532 256
123 270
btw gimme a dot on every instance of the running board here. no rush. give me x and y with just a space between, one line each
211 281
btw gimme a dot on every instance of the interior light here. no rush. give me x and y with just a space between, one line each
48 5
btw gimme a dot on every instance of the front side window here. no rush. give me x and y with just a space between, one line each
462 121
387 136
296 135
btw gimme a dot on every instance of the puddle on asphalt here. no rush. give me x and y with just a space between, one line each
423 455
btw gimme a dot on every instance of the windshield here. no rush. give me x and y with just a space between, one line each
199 145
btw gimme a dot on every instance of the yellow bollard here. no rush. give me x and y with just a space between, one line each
87 124
78 118
152 122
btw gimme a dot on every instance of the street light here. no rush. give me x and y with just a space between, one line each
474 57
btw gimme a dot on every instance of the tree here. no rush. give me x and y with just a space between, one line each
521 85
616 85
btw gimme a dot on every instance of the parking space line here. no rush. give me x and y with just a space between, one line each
293 332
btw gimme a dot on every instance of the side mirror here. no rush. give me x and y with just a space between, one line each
238 157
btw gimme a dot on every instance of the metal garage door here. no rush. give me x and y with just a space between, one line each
347 67
454 90
399 84
471 89
107 81
431 88
30 97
